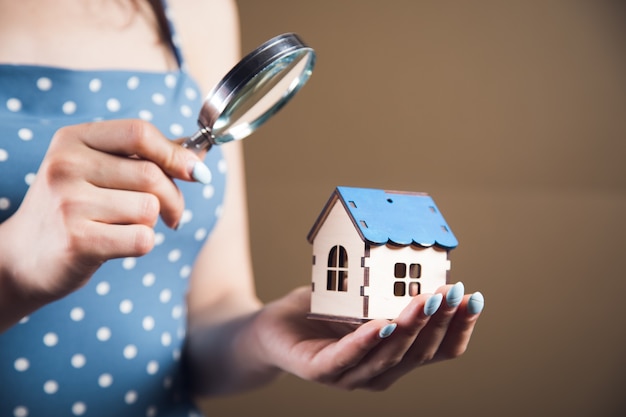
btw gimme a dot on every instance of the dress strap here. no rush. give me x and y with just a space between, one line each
168 29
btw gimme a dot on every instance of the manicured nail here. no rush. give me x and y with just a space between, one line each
455 295
387 330
201 172
475 303
432 304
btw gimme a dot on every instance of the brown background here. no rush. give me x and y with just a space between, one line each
512 115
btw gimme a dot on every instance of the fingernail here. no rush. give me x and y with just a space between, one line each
475 303
455 295
432 304
387 330
201 172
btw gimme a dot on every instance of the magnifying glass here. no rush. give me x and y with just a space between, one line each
254 90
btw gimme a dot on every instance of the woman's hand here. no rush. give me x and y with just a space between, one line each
97 195
371 356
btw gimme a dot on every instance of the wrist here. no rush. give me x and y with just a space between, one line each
16 301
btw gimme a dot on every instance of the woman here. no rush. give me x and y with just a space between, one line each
126 283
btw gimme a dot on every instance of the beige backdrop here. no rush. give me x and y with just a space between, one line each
512 115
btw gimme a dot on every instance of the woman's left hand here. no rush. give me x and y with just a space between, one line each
370 356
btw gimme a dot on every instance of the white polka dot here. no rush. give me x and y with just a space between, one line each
95 85
69 107
145 115
78 360
30 178
105 380
222 166
177 312
25 134
103 288
167 382
176 129
176 354
191 94
130 397
208 191
4 203
24 320
181 333
129 263
218 211
79 408
165 296
170 81
14 104
185 271
44 83
186 217
50 339
132 83
21 364
159 238
186 111
130 352
50 387
152 368
77 314
158 98
174 255
166 339
113 105
148 323
103 334
20 411
200 234
126 306
148 279
151 411
4 155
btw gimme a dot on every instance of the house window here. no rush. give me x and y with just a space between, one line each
407 284
337 275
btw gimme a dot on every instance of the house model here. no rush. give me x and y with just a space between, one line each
373 250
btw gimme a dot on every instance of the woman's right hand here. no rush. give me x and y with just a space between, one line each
97 195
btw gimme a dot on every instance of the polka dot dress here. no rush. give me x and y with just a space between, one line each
114 347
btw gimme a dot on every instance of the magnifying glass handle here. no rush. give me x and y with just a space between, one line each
200 141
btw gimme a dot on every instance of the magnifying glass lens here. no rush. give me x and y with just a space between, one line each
256 88
263 96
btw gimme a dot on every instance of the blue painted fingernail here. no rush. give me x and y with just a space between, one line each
387 330
432 304
201 173
455 295
476 303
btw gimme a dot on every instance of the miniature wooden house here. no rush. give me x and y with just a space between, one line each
373 250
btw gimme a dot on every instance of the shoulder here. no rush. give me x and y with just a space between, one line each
208 33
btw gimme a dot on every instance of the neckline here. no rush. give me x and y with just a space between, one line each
88 71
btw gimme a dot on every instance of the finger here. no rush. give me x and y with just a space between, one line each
135 137
119 207
120 173
461 328
427 345
389 354
454 343
101 241
332 361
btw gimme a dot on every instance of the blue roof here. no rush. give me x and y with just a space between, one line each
396 217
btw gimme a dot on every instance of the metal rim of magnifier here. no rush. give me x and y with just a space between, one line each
248 68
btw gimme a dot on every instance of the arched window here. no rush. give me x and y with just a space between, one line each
337 276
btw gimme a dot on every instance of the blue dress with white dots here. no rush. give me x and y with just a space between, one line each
112 348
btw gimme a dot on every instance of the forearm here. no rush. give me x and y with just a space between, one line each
228 357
